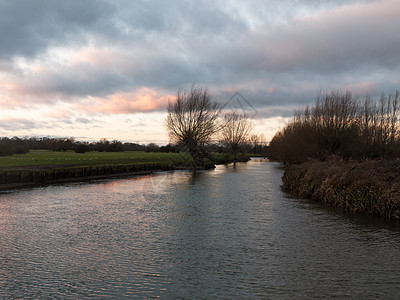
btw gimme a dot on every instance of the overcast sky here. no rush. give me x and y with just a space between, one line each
96 68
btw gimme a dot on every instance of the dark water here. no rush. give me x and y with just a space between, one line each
226 233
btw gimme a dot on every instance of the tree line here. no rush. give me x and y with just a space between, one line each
342 125
16 145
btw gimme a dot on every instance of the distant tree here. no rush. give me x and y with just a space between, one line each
169 148
13 146
258 144
235 131
103 145
80 147
115 146
17 145
133 147
152 147
192 121
255 142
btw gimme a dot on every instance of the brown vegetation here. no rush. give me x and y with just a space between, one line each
339 124
347 153
370 187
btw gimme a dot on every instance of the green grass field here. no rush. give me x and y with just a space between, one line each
70 158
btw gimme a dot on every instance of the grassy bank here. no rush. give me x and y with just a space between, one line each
371 187
42 159
46 167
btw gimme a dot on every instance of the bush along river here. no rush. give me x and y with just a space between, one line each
369 187
225 233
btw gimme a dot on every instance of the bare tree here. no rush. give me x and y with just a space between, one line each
254 141
394 118
235 131
339 124
192 120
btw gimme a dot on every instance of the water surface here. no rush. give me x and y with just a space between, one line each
224 233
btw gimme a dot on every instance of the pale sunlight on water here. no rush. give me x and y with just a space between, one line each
224 233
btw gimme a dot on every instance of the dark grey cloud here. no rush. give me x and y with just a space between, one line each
30 27
175 18
274 52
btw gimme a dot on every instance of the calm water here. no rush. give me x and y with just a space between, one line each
225 233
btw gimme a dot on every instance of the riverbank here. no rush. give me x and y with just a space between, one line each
33 169
22 178
371 187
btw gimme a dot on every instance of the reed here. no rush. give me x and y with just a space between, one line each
370 187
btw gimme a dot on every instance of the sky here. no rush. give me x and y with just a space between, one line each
107 68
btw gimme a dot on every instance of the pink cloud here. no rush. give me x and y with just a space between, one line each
362 88
122 60
271 90
230 90
143 100
29 89
101 58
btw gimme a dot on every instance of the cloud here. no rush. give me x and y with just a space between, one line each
82 120
149 50
76 59
11 124
350 37
143 100
30 27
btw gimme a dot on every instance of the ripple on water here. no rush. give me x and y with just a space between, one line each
225 233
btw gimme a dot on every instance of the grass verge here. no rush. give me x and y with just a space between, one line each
43 159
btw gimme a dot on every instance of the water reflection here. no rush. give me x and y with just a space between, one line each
223 233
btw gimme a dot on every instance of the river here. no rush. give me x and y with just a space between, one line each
224 233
